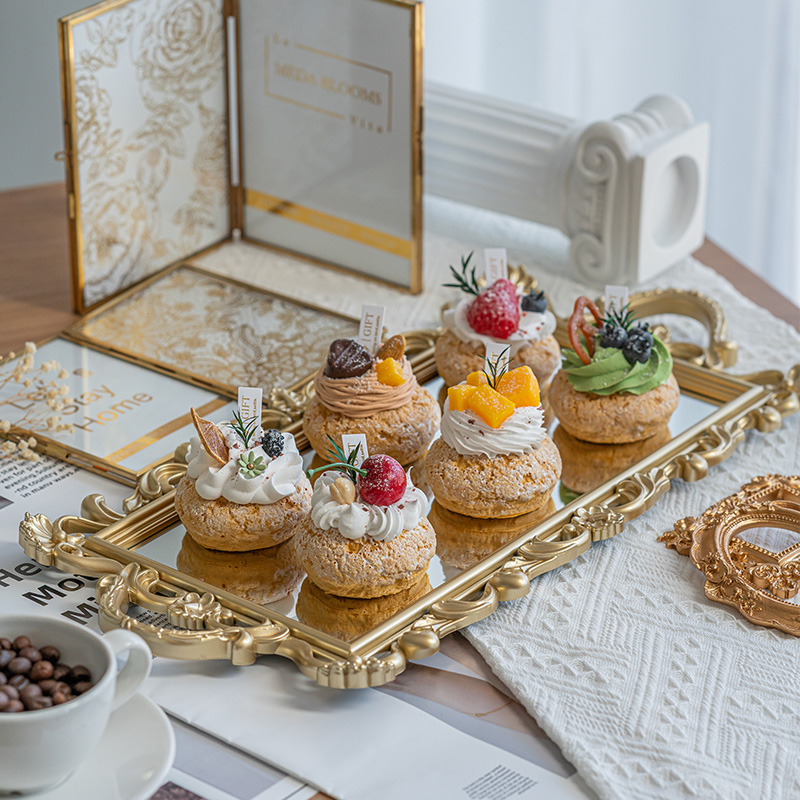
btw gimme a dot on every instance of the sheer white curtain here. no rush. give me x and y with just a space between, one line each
736 62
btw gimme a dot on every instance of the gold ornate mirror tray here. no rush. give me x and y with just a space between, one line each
194 606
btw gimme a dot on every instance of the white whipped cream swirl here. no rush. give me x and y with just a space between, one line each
358 519
469 435
214 480
533 327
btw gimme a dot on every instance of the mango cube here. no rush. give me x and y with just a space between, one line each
490 406
390 373
520 386
458 396
477 379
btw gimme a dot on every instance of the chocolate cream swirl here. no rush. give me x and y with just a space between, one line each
364 395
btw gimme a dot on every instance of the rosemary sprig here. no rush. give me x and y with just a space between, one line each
244 429
497 368
621 319
467 283
341 462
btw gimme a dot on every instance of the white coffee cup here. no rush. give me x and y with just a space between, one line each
40 749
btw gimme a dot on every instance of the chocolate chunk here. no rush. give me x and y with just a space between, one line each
347 359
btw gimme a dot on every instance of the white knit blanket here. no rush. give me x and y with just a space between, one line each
650 689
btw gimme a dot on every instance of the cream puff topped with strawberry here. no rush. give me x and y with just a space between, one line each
367 534
494 458
497 313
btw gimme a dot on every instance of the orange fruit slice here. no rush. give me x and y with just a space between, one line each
477 379
490 406
211 438
520 386
458 396
389 372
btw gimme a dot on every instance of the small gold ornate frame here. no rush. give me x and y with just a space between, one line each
208 623
755 581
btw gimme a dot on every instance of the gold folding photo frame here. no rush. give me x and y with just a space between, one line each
293 124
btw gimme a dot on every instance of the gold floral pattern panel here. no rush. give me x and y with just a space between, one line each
148 137
224 333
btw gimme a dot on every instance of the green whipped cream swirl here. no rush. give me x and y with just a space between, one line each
610 373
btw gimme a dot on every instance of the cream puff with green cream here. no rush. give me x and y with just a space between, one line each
616 384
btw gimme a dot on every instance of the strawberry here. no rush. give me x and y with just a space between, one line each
384 482
495 311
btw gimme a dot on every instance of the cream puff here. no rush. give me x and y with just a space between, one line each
261 576
244 487
616 384
380 397
497 313
494 458
367 534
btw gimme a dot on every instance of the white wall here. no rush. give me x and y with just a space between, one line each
30 90
736 62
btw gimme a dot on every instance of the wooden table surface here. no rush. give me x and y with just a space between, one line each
35 293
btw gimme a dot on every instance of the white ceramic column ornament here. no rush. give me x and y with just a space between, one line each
630 192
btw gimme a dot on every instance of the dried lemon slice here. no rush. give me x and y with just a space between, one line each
210 438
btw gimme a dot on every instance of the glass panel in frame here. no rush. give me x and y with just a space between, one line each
217 331
330 136
145 106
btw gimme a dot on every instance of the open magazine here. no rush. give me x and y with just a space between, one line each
446 728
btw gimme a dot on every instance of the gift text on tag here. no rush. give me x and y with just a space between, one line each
250 402
371 327
616 299
496 264
351 441
497 356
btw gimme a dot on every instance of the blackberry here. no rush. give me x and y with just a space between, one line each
613 336
534 302
637 349
272 442
640 331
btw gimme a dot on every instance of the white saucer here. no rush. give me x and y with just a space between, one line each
131 761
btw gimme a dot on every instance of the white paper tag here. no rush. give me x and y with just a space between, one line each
351 441
616 299
371 327
497 354
250 402
495 263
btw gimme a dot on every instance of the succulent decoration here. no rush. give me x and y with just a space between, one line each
251 465
620 332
